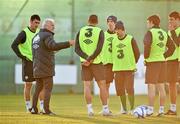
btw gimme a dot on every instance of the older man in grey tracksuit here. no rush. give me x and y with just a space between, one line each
43 49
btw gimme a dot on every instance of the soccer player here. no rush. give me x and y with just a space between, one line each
125 53
156 41
89 43
22 46
109 35
172 61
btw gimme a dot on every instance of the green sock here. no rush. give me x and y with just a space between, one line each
123 101
131 101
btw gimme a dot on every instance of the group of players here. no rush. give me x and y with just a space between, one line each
112 55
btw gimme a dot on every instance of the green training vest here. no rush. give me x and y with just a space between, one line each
26 47
107 48
174 56
158 46
123 55
88 40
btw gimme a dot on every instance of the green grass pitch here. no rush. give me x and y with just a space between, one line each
71 109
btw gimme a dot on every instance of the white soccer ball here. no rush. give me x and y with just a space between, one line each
140 111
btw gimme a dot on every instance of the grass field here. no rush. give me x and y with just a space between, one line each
70 109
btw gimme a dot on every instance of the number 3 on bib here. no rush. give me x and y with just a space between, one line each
121 54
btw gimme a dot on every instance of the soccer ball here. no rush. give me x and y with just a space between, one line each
140 111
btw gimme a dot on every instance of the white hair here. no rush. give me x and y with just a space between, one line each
47 20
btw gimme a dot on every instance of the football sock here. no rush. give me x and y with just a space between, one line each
173 107
41 105
89 107
123 101
105 108
28 105
161 109
131 101
150 110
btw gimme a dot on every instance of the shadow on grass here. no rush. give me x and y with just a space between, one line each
97 119
94 119
122 119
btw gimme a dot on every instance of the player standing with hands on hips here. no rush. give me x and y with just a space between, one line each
22 46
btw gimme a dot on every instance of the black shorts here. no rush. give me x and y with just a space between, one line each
109 74
27 71
93 71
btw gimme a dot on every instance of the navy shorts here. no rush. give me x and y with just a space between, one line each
27 71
